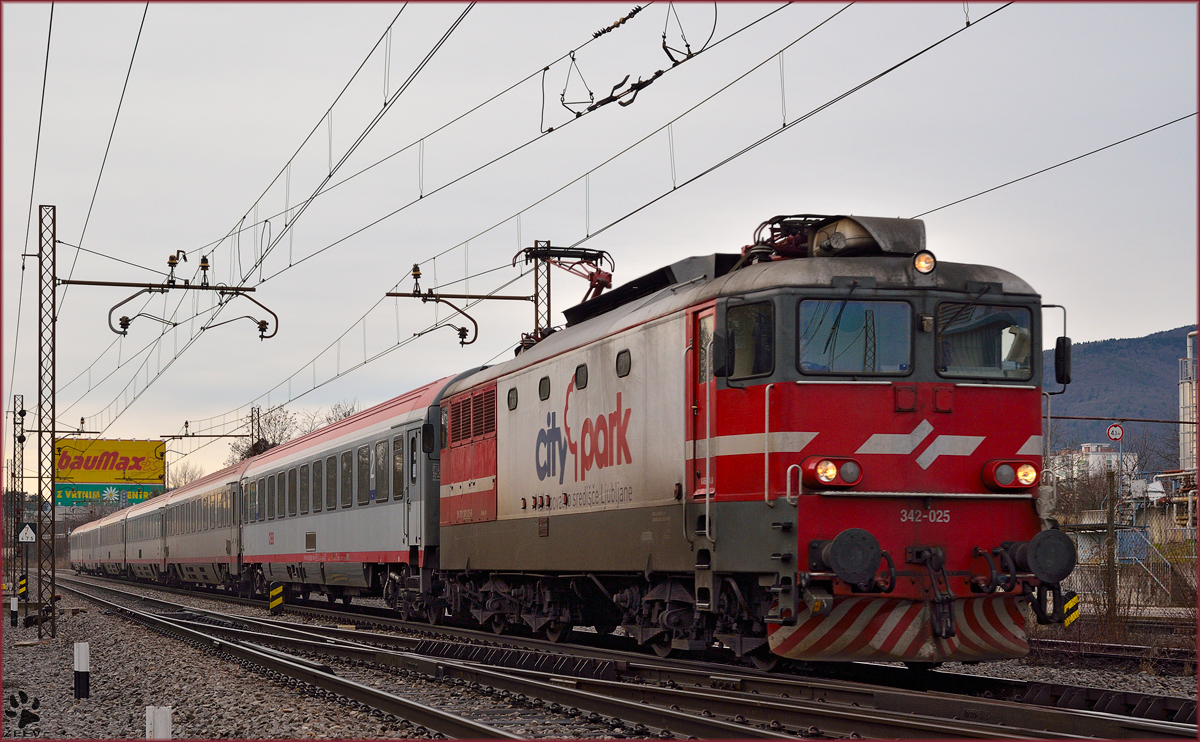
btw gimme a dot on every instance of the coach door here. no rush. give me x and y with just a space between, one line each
702 386
412 486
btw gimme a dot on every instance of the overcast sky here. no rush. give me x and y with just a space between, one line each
221 96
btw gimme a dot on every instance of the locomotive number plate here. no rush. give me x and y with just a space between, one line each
924 516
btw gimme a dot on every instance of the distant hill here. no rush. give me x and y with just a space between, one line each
1128 377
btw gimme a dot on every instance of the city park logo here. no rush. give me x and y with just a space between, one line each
603 442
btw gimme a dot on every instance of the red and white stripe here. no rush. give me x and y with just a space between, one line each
894 629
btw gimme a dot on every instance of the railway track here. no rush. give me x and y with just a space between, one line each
694 698
1174 659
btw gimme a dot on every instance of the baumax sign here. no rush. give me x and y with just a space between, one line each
108 461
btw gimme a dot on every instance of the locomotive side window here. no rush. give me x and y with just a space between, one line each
398 467
303 489
581 376
862 338
984 341
331 483
544 388
751 332
318 479
381 471
445 427
280 494
347 490
293 491
624 363
364 475
512 398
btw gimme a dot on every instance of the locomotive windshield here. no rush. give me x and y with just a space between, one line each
983 341
855 337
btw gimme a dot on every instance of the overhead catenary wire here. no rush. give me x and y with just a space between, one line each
116 116
32 185
1064 162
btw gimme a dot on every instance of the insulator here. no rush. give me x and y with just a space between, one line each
203 262
416 272
462 334
262 327
172 261
124 322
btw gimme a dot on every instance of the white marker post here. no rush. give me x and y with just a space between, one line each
13 611
158 722
83 673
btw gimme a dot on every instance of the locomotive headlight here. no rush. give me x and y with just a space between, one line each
1026 474
850 472
924 262
1005 474
826 471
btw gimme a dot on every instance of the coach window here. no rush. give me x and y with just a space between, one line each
544 388
263 495
581 376
751 332
381 471
347 491
303 489
270 498
293 492
331 483
245 501
364 475
317 481
397 467
280 494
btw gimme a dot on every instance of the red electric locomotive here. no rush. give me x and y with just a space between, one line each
826 447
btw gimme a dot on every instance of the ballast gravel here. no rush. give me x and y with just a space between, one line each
132 668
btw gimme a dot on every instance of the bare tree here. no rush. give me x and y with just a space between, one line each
311 420
183 472
276 426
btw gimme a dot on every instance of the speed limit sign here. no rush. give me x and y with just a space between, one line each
1115 432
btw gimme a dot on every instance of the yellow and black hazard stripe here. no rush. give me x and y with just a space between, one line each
1070 608
276 597
23 585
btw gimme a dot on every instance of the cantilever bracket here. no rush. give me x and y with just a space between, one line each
125 320
462 331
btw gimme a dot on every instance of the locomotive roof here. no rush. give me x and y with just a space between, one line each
704 278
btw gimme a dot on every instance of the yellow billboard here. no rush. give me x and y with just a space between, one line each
81 460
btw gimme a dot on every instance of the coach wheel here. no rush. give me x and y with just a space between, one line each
346 598
331 596
558 632
305 593
498 623
260 585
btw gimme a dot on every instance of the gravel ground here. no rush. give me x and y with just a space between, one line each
133 668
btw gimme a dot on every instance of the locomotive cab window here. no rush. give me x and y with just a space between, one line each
751 332
859 338
984 341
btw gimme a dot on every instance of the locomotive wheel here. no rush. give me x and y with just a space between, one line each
764 660
661 645
434 614
346 598
497 624
260 585
604 629
558 632
331 596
